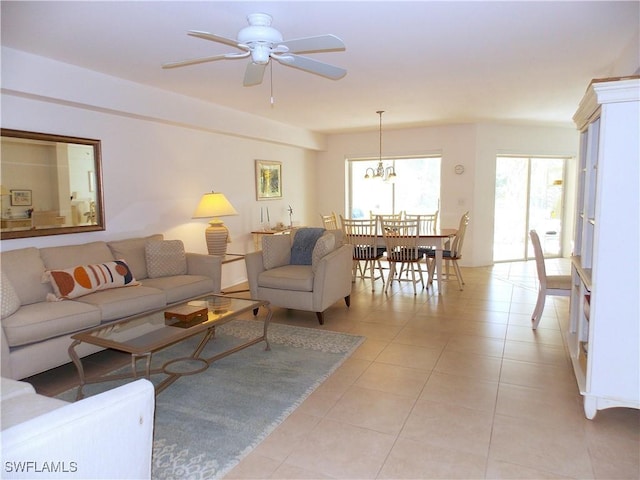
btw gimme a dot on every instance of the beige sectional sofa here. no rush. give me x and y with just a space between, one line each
41 310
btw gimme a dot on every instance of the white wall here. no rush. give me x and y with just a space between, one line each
160 153
474 146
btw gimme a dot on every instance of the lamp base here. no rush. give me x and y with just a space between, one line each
217 237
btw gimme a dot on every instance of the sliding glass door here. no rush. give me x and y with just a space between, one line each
529 196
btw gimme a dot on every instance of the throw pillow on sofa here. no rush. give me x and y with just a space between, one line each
324 245
276 251
165 258
84 279
9 301
132 251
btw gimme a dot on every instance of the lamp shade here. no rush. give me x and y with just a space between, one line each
214 205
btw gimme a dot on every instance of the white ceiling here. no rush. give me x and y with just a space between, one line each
423 62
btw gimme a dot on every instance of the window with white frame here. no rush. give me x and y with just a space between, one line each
416 188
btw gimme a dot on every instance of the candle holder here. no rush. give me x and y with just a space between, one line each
265 221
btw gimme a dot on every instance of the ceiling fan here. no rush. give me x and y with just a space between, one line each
261 42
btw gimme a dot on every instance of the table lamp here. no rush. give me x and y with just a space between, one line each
214 205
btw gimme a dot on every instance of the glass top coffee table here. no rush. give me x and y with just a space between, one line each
142 335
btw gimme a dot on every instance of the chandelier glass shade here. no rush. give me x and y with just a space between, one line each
387 174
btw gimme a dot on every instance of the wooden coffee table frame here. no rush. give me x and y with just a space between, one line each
177 334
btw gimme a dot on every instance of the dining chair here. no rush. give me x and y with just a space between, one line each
401 240
379 217
450 255
330 222
362 234
428 221
547 284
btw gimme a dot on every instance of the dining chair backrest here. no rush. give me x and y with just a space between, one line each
387 216
537 251
428 221
363 235
401 240
380 217
456 244
330 222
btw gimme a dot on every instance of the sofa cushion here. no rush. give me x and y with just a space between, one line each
180 287
118 303
325 244
24 269
288 277
165 258
43 320
276 251
132 251
59 258
9 301
84 279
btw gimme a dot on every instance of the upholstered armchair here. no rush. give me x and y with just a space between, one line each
287 277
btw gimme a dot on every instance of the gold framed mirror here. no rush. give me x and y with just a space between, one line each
50 185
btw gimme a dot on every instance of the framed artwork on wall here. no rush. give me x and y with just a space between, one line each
268 180
21 198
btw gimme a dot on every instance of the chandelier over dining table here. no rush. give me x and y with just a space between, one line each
387 174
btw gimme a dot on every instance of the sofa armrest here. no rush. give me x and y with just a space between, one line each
333 277
108 435
207 265
255 266
5 359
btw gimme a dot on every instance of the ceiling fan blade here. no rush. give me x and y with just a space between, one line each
195 61
253 74
217 38
320 43
310 65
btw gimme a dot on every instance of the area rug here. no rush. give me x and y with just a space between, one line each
206 423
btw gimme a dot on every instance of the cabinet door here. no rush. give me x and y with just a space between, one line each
590 193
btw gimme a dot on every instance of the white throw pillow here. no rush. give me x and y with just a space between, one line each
325 244
165 258
9 301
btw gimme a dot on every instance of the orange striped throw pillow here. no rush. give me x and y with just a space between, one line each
84 279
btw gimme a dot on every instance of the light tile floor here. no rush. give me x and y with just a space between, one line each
445 386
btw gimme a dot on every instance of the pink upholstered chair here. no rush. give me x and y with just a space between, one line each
548 284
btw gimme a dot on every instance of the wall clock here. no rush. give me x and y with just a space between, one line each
459 169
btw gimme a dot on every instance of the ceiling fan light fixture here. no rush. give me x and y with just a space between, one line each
260 53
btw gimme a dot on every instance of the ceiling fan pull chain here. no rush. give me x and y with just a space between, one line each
271 81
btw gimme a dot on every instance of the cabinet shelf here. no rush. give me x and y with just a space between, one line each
583 273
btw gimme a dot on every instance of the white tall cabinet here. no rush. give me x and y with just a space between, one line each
604 328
